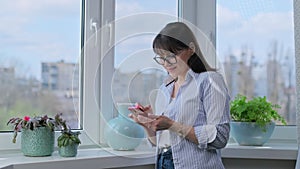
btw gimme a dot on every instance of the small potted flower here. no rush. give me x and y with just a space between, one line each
68 141
37 134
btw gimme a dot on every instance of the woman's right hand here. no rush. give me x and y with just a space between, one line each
141 115
144 116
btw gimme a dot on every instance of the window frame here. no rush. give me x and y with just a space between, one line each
94 92
97 69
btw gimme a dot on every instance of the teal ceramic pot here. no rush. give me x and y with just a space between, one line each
37 142
250 134
122 133
68 151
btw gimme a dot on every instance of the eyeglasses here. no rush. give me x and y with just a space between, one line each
171 59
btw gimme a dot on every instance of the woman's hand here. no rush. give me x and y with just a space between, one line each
161 123
141 115
145 117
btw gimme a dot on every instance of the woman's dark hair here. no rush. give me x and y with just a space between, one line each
177 36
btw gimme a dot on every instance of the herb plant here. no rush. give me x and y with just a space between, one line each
257 110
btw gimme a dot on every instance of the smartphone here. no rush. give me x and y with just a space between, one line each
137 106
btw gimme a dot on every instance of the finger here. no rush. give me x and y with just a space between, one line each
153 116
137 112
147 107
142 113
137 120
143 119
139 106
132 116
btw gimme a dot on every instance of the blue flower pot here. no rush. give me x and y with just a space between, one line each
122 133
250 134
68 151
37 142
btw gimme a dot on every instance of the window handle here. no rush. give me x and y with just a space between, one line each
94 27
110 33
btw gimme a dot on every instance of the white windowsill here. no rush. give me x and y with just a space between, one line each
282 146
106 158
273 150
92 158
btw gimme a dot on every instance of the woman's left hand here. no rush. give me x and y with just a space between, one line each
160 123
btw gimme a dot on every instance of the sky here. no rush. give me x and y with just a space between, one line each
255 24
35 31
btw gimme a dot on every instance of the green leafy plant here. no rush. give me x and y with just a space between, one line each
31 123
257 110
67 137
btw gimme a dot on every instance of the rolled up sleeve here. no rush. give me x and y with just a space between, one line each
215 98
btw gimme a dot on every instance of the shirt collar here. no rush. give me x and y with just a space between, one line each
169 80
190 74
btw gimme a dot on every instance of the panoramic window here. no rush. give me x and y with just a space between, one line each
255 43
136 74
39 59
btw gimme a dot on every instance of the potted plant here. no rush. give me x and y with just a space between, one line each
253 120
68 141
37 134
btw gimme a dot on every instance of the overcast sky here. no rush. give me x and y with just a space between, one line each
35 31
255 24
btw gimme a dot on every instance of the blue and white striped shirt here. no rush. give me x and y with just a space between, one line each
202 102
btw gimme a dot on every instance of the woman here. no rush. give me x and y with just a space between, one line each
190 123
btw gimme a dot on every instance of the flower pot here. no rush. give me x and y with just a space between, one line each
37 142
68 151
122 133
251 134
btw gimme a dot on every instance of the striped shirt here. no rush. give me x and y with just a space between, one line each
202 101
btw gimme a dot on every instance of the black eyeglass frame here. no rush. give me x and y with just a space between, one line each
166 59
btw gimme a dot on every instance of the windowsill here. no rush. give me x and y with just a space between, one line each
272 150
86 158
108 158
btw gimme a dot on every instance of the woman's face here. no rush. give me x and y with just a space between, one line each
180 67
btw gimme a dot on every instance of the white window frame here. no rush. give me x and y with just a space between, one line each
98 67
95 86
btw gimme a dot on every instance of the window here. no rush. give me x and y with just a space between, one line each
201 13
134 69
125 35
39 59
107 50
125 39
255 43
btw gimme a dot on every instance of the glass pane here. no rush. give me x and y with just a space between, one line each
136 74
255 42
40 46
